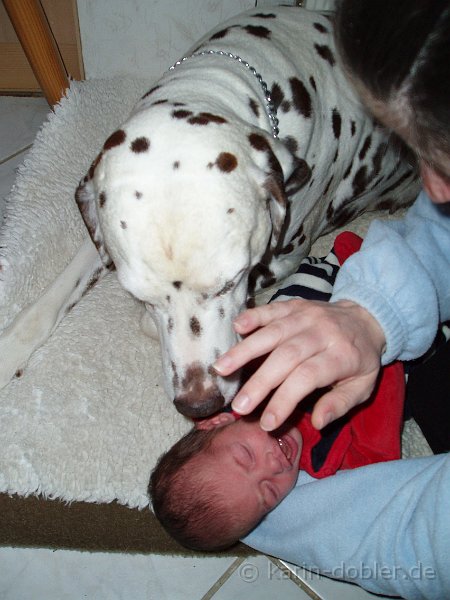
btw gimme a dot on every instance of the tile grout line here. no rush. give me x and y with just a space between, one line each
11 156
298 581
223 578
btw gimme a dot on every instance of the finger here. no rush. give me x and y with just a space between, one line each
341 399
259 343
275 369
316 372
260 316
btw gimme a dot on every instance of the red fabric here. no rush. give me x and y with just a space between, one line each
372 433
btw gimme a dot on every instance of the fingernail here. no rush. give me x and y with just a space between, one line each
326 420
222 364
240 403
240 321
268 422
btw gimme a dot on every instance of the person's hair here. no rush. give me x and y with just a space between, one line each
192 509
399 52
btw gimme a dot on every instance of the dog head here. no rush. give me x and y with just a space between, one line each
185 213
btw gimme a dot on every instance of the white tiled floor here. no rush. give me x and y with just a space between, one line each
41 574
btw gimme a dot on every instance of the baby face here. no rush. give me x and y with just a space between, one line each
256 469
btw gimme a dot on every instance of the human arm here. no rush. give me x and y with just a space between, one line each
395 291
392 539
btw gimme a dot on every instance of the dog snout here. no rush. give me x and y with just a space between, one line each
195 405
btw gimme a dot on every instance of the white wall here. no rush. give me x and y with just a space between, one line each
144 37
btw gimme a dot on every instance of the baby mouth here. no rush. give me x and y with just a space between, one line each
288 447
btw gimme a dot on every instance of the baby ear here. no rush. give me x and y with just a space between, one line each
219 420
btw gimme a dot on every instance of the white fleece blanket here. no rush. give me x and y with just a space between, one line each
88 418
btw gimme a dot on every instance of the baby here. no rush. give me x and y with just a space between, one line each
216 483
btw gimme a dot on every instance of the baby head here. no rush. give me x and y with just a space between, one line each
216 483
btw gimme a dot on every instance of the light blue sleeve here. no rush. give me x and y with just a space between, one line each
384 526
401 276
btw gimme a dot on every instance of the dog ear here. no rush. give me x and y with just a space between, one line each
85 197
283 175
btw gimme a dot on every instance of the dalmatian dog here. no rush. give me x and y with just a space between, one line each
227 170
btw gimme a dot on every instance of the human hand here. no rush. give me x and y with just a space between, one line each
310 345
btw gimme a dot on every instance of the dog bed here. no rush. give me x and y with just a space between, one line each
83 424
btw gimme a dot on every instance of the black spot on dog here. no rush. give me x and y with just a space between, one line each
345 213
352 128
300 97
258 142
365 147
226 288
327 187
221 312
93 166
150 91
230 210
170 325
258 31
254 106
347 172
162 101
386 204
123 224
330 213
19 373
181 113
360 181
299 178
102 199
286 106
226 162
291 144
312 82
115 139
320 28
175 378
396 184
336 154
325 53
265 16
377 160
211 118
277 95
195 326
299 232
287 249
176 164
176 284
337 123
138 195
179 103
168 299
140 144
220 34
205 118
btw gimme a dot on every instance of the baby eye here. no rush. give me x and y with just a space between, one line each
244 456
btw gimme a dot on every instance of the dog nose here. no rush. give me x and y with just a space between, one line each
197 405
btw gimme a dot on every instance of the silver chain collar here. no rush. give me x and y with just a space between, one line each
270 107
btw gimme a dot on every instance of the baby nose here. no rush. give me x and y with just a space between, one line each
275 463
